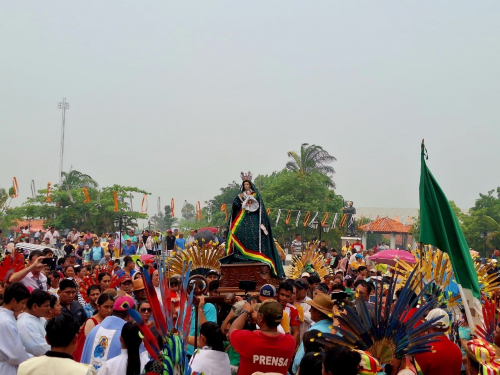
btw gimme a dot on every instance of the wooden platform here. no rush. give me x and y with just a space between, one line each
231 274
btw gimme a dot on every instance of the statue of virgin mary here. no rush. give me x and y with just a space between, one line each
250 238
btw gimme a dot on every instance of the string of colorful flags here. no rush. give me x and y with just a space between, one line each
338 218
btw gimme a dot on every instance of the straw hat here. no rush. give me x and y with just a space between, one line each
323 303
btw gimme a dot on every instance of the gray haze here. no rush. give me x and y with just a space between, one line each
178 97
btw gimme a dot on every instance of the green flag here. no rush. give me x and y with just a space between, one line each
439 227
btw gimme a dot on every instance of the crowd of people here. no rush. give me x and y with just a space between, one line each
74 315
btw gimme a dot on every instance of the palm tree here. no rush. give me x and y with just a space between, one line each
312 159
77 180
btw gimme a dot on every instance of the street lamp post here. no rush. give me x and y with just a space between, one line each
314 225
149 225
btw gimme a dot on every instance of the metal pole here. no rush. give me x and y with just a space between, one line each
120 234
64 106
195 329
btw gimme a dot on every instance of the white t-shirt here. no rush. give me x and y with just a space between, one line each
118 365
52 236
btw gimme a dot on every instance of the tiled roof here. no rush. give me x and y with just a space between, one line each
385 225
35 225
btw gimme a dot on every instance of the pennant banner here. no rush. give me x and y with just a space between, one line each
48 198
278 218
223 209
297 219
130 197
172 207
334 222
33 189
312 221
144 204
325 218
288 217
115 198
306 217
16 187
87 196
198 211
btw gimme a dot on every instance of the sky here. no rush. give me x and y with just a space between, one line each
179 97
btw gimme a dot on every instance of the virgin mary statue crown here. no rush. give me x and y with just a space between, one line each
246 177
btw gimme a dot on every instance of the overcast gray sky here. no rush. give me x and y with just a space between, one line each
178 97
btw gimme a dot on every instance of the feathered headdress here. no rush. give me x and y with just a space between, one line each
434 273
11 264
311 261
172 355
392 332
89 280
203 258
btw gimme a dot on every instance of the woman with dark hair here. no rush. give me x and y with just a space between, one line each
129 362
69 272
340 360
211 359
104 309
55 307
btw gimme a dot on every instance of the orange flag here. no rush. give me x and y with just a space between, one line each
86 193
48 198
115 198
223 208
16 188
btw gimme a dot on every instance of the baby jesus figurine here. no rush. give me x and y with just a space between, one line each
249 202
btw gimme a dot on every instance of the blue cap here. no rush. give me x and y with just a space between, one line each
268 290
359 256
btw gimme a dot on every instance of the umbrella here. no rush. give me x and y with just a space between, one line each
204 237
389 257
146 257
211 229
474 253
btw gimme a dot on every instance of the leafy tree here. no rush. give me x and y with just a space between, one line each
218 218
312 159
99 216
164 221
481 226
188 211
283 190
77 180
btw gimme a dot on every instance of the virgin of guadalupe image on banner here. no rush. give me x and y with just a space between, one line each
250 237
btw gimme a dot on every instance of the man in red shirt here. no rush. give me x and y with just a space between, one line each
285 291
265 350
446 357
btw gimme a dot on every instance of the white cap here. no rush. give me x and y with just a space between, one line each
443 322
305 274
494 261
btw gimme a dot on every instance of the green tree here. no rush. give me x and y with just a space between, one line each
283 190
164 221
218 218
481 226
312 159
96 215
77 180
188 211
